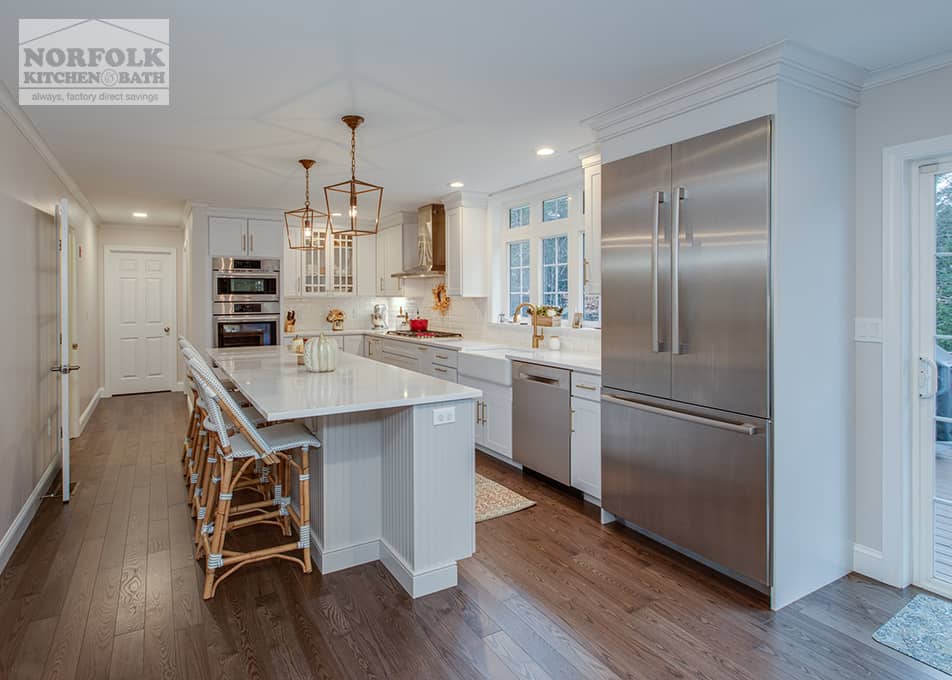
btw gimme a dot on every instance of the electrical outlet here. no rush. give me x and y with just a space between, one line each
444 416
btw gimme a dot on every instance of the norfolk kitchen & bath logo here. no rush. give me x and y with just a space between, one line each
94 62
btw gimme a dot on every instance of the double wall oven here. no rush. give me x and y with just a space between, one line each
246 302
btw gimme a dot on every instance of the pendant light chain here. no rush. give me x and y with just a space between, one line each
307 187
353 153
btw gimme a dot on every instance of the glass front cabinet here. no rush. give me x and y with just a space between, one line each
329 271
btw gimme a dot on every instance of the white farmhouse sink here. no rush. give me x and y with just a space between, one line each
490 365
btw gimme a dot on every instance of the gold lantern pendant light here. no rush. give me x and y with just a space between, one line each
353 205
307 228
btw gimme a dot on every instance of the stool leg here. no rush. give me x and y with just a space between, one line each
199 453
206 502
304 491
188 440
212 562
286 485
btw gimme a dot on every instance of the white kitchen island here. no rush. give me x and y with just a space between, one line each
389 483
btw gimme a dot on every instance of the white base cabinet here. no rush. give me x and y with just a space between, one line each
493 415
586 466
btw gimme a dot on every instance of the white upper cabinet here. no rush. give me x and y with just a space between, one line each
592 169
227 236
466 244
245 237
266 238
389 258
291 271
365 252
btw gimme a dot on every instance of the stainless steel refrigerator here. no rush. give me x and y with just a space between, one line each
686 410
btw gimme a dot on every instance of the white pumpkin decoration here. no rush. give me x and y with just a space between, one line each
320 355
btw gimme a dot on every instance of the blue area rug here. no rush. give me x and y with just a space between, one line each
922 630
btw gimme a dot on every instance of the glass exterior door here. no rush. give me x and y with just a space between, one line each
935 376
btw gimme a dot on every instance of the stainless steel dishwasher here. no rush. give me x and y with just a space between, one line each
541 419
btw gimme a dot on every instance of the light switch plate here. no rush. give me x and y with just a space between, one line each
444 416
867 329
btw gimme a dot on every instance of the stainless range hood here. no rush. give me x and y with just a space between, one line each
428 259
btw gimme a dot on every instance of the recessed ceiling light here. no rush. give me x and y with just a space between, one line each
456 185
545 151
140 214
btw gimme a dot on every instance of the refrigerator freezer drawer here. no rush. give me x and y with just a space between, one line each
697 481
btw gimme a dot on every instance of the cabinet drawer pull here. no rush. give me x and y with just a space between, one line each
583 386
441 370
422 349
442 356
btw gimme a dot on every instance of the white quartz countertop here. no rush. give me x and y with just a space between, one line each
584 362
273 383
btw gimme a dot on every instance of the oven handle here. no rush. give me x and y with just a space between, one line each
230 318
247 275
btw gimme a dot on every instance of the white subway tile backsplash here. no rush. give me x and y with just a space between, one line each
468 316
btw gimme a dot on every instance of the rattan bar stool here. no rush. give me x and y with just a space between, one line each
198 473
286 446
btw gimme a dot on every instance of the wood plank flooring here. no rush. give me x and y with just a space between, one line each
105 587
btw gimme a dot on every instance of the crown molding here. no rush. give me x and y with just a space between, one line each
397 219
783 62
23 123
910 69
465 199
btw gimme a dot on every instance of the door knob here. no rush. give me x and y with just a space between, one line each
167 330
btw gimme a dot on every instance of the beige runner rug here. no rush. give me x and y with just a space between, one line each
494 500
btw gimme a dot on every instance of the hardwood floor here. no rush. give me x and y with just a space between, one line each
106 587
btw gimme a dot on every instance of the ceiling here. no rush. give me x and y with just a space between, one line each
451 91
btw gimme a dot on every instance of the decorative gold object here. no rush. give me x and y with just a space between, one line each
307 228
353 205
336 318
441 301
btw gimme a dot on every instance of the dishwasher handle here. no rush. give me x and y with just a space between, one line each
539 379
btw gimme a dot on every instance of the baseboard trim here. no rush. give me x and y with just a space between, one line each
421 583
337 559
178 387
89 410
500 457
868 561
13 535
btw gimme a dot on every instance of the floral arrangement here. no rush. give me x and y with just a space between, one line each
548 315
336 318
441 301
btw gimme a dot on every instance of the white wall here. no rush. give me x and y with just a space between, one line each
29 189
904 111
149 237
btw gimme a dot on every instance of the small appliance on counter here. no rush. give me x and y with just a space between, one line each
378 320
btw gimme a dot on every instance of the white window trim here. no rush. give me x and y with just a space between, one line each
568 183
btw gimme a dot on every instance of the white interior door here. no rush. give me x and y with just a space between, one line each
63 328
140 320
932 330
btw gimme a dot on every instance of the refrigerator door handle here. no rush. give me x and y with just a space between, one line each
655 339
742 428
675 270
